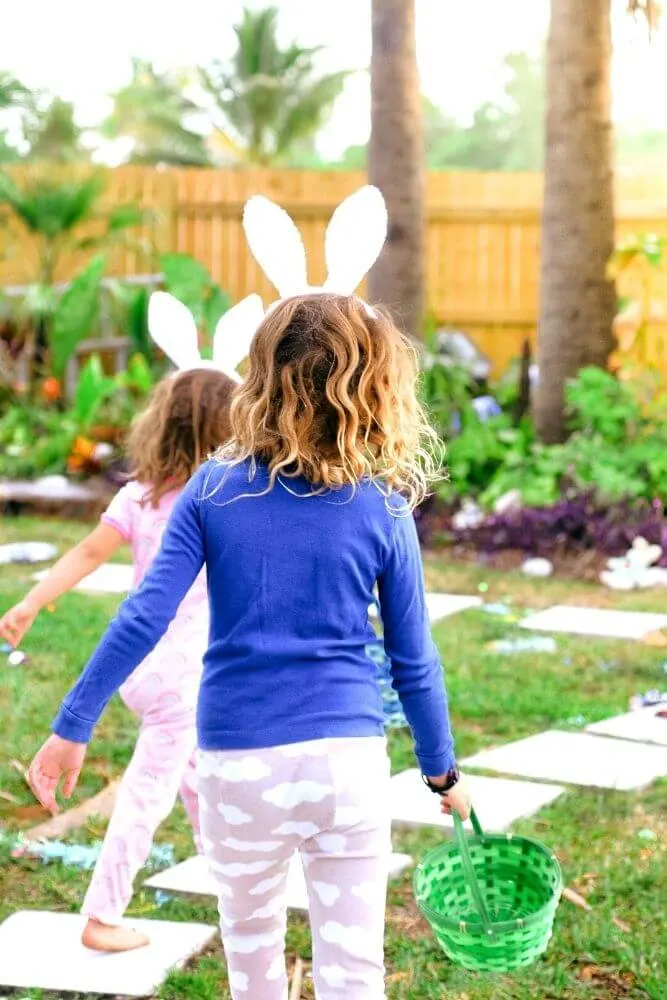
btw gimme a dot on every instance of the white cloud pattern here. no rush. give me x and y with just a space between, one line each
303 830
332 843
242 769
369 892
353 938
239 981
277 968
261 846
271 909
328 894
267 884
333 975
233 815
248 944
289 794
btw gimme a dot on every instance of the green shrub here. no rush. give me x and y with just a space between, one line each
617 447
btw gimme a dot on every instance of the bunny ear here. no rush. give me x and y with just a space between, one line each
173 328
234 332
276 245
354 239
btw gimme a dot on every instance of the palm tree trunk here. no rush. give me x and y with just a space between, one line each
577 301
396 162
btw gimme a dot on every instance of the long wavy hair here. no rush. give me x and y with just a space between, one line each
185 421
331 395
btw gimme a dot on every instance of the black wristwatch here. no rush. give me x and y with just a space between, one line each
452 778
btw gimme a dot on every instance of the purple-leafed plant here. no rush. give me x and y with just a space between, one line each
576 523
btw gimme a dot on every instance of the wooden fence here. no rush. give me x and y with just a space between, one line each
483 238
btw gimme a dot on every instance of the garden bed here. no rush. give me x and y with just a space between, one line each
585 566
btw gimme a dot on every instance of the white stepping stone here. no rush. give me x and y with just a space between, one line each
595 621
43 951
110 578
577 759
498 802
442 605
644 726
192 877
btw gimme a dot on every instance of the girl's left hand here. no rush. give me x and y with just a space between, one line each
58 759
457 799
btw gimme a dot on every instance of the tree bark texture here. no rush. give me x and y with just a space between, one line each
396 162
577 303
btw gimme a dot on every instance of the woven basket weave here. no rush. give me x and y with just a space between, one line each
490 899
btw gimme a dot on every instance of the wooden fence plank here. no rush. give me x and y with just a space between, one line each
483 235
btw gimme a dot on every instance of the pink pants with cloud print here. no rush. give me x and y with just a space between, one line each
327 799
163 693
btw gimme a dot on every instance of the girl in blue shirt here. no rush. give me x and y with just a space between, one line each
297 521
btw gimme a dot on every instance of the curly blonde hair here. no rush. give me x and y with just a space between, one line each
185 421
331 395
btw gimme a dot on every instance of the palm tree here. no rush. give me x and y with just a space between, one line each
396 161
155 115
51 132
12 92
269 102
61 216
578 300
12 95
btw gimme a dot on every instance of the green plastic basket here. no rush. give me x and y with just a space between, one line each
490 899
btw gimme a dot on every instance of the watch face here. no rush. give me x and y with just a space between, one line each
452 777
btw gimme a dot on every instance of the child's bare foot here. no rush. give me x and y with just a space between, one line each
104 937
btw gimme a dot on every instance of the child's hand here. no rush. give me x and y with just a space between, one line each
458 799
16 622
56 760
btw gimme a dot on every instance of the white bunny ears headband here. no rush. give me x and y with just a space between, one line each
172 326
353 241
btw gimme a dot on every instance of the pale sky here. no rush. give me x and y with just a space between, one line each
81 49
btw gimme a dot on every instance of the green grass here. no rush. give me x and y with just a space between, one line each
493 698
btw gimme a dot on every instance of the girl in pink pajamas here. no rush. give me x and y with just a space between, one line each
187 418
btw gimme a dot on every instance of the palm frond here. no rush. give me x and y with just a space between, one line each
269 99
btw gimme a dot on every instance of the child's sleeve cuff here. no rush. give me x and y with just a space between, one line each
435 765
71 727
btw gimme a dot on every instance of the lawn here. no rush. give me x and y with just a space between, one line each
601 838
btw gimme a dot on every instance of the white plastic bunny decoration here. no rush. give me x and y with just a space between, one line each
636 568
172 326
354 238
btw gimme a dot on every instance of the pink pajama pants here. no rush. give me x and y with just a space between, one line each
329 800
163 693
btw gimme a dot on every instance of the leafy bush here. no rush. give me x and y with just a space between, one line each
617 448
37 440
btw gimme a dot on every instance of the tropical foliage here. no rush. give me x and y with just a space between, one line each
64 216
269 101
153 115
38 438
616 449
50 131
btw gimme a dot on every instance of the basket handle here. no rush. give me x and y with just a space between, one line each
471 878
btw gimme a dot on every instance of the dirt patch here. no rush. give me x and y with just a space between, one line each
585 566
23 814
403 915
610 984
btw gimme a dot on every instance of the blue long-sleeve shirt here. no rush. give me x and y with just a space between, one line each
290 579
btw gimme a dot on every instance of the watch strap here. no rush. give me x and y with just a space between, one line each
452 778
